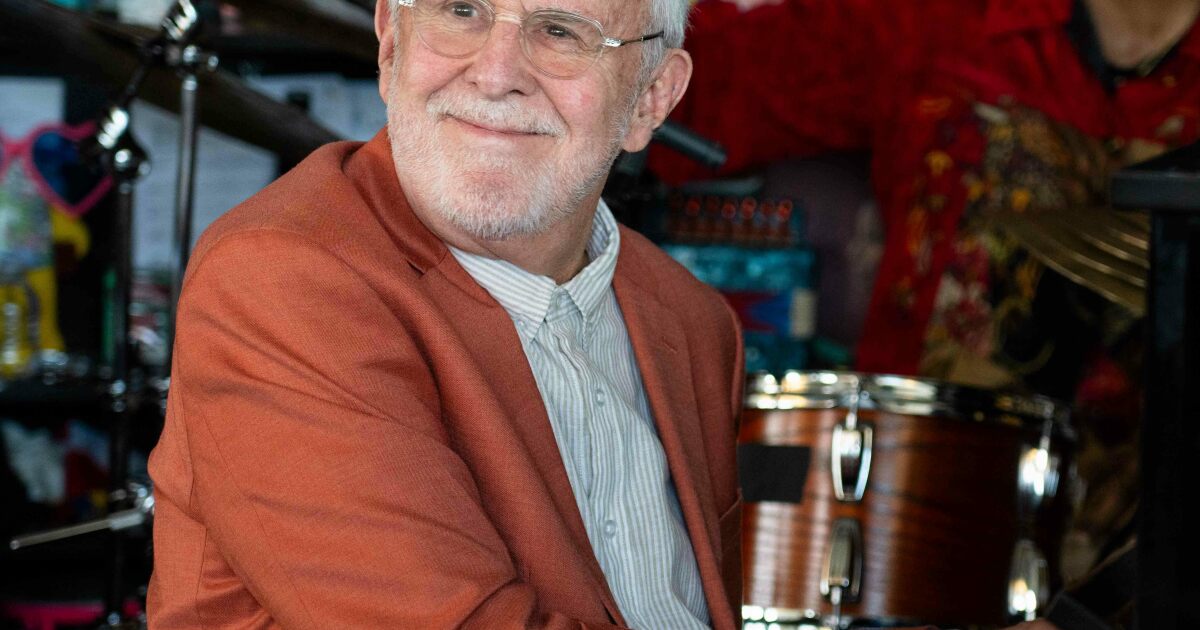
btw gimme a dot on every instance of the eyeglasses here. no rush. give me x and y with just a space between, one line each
559 44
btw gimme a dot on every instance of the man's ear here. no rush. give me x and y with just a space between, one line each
659 98
387 52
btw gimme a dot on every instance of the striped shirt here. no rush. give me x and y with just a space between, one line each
579 350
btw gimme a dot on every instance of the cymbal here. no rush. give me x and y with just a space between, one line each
65 42
334 25
1103 249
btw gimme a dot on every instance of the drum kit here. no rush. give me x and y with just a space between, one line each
872 500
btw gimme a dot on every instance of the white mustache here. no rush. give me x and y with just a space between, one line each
500 115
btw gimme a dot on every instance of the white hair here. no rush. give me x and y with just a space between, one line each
670 16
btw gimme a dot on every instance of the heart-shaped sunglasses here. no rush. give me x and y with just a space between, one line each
50 156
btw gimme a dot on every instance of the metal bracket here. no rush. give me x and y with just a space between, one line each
850 453
1038 477
1028 581
841 573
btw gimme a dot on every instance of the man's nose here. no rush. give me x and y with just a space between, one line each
500 67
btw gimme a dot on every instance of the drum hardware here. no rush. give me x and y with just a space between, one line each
140 514
115 148
841 575
850 452
64 41
1039 476
769 618
335 26
173 49
189 62
760 618
1037 484
1028 582
1049 410
113 144
921 547
1166 581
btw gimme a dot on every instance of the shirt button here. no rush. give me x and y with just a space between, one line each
599 397
610 528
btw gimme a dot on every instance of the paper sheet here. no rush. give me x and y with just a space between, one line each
350 108
227 172
28 102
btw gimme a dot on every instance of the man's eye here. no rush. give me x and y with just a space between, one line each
463 10
557 31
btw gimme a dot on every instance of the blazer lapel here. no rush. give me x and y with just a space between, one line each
495 346
498 355
661 350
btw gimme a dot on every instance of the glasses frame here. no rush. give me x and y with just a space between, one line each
519 20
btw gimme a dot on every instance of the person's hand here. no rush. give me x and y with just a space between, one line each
1037 624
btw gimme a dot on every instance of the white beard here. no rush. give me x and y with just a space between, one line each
492 195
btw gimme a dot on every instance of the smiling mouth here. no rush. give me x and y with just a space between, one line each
480 127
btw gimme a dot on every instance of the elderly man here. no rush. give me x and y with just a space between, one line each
428 382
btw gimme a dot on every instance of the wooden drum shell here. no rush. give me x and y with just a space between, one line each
938 519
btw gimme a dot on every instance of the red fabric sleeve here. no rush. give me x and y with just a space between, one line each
780 80
805 76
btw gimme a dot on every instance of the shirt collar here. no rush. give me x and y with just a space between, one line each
1014 16
528 297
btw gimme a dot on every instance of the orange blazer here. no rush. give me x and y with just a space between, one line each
354 438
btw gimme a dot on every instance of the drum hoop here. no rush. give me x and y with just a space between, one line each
770 616
906 395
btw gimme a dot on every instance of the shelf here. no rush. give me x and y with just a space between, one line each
35 395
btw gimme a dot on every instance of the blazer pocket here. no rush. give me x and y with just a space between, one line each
730 525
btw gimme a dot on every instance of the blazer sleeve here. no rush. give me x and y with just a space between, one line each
303 478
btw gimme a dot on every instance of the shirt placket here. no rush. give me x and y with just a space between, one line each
596 433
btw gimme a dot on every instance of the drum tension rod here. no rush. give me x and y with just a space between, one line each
850 452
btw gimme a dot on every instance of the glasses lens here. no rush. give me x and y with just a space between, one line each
454 28
562 44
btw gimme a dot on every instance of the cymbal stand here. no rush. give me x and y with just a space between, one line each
189 61
173 49
121 155
1167 582
127 162
131 504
